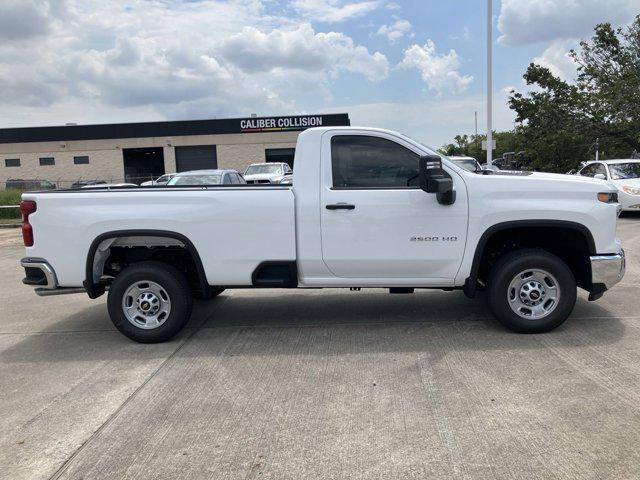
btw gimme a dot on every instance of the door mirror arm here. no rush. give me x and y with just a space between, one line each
434 179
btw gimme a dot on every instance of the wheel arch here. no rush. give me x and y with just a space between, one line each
95 290
470 285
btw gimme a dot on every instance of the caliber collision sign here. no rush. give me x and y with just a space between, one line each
277 124
172 128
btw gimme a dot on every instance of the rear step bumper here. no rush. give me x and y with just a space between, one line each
39 274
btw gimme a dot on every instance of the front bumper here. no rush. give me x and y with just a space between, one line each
606 271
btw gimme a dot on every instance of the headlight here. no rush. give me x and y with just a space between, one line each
631 190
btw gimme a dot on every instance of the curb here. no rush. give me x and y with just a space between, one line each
10 225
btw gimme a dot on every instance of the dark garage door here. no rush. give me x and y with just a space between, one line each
280 155
197 157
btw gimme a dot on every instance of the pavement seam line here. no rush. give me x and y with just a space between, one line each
62 469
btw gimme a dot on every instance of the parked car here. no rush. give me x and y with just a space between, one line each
574 171
490 168
287 179
24 185
87 183
623 174
468 163
368 208
161 180
206 177
109 185
266 172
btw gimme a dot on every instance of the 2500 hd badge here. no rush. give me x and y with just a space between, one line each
433 239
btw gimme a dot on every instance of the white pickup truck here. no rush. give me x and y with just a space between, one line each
368 208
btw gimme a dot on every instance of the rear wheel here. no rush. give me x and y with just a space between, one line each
531 291
150 302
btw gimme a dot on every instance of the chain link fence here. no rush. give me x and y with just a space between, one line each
32 184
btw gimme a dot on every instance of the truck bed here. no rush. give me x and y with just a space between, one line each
234 228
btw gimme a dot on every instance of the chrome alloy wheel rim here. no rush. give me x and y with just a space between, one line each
533 294
146 304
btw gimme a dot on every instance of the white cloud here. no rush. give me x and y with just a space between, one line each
395 30
439 71
21 19
464 35
301 48
524 22
90 60
433 122
556 58
333 11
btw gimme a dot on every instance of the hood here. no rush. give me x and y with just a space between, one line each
577 179
263 176
540 185
631 182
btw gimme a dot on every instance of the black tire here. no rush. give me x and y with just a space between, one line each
172 282
508 268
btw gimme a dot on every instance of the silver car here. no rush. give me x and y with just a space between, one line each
161 180
206 177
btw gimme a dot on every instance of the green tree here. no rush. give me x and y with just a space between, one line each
561 121
471 145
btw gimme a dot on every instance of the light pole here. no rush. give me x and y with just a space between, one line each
489 82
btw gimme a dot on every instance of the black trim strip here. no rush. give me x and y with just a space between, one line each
94 290
470 283
152 129
168 188
290 280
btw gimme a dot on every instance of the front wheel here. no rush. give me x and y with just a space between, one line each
150 302
531 291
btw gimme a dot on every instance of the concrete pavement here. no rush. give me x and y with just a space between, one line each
319 384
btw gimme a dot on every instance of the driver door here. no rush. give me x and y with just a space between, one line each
376 221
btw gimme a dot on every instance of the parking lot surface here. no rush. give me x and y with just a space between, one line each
319 384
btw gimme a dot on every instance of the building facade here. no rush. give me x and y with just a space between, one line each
136 152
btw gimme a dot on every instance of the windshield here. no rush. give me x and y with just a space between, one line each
620 171
208 179
260 169
466 163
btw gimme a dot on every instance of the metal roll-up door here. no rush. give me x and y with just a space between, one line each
196 157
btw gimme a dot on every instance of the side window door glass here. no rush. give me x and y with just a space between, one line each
588 171
601 169
360 161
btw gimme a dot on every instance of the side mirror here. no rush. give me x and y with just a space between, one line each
600 176
433 179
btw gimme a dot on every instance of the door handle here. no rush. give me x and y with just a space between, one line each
341 206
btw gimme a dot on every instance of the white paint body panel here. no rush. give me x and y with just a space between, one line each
234 229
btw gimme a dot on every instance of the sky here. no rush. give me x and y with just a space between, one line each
415 66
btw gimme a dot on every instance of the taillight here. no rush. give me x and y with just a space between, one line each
27 207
